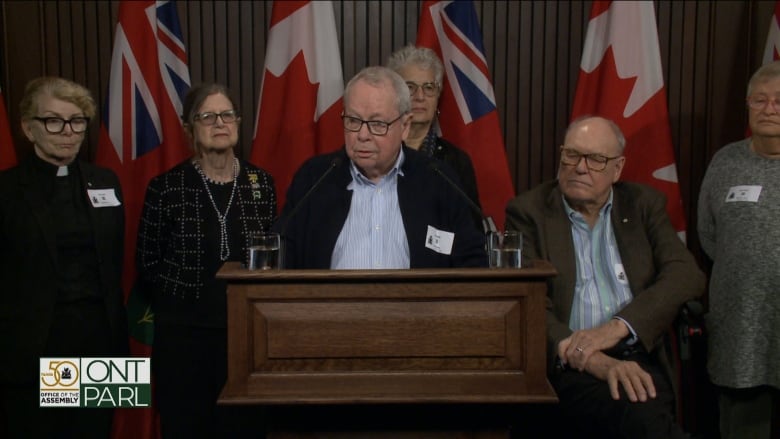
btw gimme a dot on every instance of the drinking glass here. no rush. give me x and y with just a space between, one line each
505 249
263 251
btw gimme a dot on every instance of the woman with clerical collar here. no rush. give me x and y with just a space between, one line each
61 245
196 217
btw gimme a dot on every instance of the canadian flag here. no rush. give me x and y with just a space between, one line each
772 50
621 79
7 151
469 117
299 114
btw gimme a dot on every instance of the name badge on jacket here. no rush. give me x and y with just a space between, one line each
439 240
743 193
103 197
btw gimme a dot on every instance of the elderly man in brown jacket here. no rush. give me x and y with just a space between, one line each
623 275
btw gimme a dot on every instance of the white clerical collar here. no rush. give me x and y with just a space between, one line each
62 171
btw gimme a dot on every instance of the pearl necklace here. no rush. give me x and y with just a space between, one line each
224 244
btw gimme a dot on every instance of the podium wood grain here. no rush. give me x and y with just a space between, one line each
386 336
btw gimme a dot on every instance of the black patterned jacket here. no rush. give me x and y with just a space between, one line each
172 239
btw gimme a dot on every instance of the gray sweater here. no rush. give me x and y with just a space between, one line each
739 228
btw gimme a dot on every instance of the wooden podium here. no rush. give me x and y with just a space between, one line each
432 336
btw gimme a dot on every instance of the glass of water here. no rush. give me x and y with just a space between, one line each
263 251
505 249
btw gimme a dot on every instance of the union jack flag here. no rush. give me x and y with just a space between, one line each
141 137
468 103
148 81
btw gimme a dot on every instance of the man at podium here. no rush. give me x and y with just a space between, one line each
375 203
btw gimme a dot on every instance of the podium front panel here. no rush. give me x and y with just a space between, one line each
386 336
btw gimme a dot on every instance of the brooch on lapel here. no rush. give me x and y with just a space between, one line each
253 181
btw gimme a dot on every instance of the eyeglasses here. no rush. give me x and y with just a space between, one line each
210 118
429 89
56 125
375 127
760 102
594 162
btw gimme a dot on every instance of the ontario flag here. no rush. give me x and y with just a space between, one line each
300 104
7 151
469 117
141 137
621 79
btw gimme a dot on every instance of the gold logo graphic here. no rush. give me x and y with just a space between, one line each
61 375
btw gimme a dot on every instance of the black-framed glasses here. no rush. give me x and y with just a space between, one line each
375 127
55 125
430 89
594 162
210 118
760 102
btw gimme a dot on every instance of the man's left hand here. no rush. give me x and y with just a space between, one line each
576 349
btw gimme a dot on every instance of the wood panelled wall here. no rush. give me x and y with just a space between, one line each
709 50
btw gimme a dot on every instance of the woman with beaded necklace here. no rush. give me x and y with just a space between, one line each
197 216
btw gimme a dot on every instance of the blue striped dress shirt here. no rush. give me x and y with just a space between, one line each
373 235
602 286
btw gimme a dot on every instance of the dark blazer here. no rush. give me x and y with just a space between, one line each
28 264
661 271
424 197
460 162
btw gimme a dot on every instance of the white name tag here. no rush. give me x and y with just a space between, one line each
743 193
439 240
103 197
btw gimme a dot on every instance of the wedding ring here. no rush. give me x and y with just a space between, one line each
579 349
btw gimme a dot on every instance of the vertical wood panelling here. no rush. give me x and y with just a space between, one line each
385 31
52 37
518 141
552 87
689 80
368 36
493 23
74 30
508 99
106 24
533 48
243 38
91 46
353 42
700 109
222 64
539 83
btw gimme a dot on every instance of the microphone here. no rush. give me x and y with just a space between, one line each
333 165
488 225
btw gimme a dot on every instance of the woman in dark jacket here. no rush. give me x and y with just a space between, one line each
196 217
61 245
423 72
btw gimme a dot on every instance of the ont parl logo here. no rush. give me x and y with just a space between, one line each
95 382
